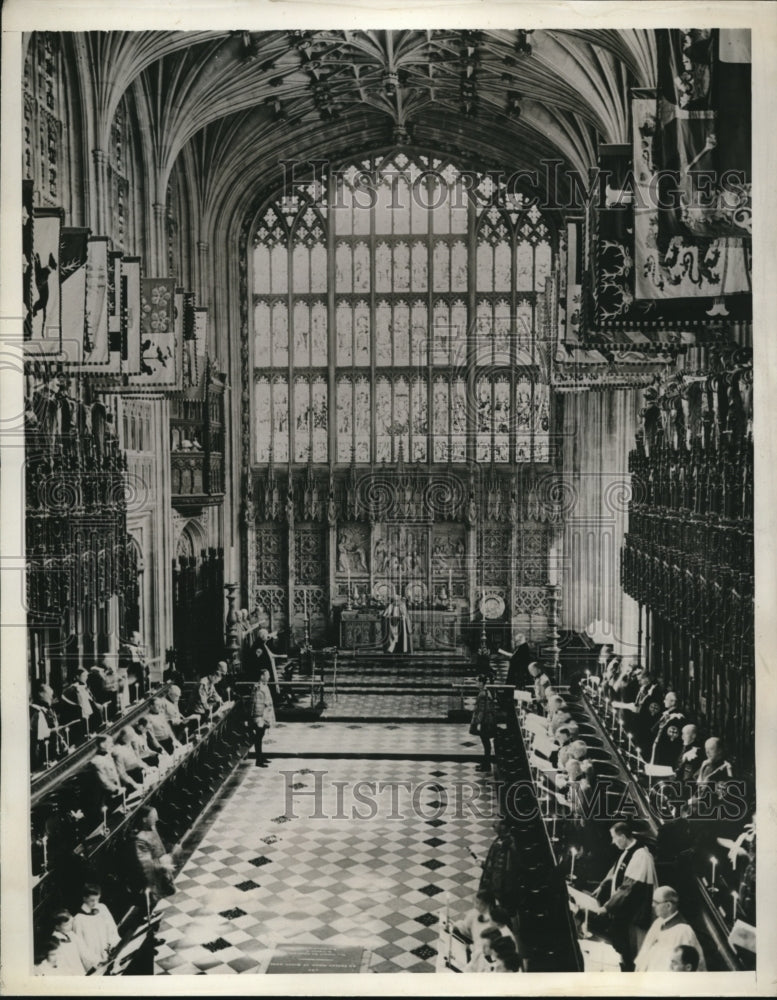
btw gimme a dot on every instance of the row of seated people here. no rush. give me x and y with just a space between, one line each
95 697
86 942
615 866
660 728
99 697
129 762
706 810
125 854
675 750
585 783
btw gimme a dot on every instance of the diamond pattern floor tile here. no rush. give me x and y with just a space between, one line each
276 867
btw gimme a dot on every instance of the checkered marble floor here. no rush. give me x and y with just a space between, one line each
376 739
389 705
278 867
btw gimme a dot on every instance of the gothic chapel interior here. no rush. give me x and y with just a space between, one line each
368 359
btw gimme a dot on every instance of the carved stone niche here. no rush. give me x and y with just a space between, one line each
353 550
448 550
310 554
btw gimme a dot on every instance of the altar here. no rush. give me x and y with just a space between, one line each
431 629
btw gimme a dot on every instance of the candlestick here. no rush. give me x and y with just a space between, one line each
553 836
620 730
734 901
349 586
714 863
573 852
46 752
44 843
105 819
630 742
586 932
229 694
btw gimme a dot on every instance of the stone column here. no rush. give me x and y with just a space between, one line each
160 240
101 193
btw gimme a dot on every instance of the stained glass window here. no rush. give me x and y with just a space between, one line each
425 317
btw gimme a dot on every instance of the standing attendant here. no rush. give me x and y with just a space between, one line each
484 721
153 860
262 713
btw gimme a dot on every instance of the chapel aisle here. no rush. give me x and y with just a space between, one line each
270 881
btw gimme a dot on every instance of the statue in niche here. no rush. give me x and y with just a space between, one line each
331 509
513 507
472 510
381 556
439 558
460 553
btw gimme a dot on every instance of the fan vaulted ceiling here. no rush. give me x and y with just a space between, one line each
236 103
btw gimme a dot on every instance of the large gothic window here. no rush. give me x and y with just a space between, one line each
395 315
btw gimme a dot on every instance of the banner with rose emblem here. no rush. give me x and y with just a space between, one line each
159 363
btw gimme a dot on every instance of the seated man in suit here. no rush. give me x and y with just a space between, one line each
159 724
180 724
690 755
44 727
207 698
108 784
541 682
127 759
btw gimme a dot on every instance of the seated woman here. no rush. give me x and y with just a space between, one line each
667 746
